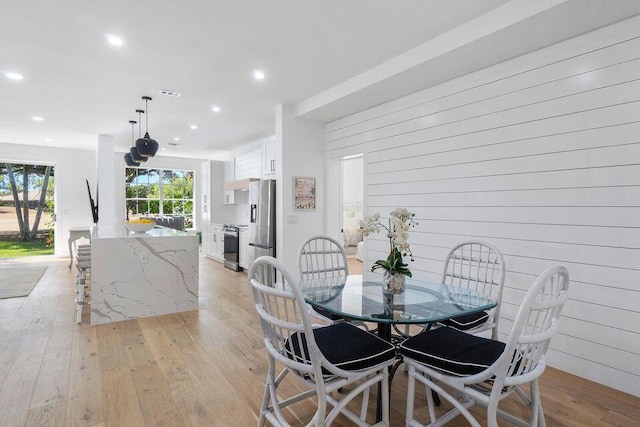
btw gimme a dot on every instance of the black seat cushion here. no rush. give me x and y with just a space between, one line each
468 321
344 345
452 351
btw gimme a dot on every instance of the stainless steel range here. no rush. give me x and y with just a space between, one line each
231 247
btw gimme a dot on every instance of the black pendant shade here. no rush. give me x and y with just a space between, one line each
129 161
135 155
133 158
147 147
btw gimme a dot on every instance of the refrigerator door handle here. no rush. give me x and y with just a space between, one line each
257 245
254 213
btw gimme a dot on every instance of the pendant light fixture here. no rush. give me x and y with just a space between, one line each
135 154
128 158
146 146
129 161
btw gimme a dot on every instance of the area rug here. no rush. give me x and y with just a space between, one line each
19 281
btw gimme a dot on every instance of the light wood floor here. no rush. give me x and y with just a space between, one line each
203 367
355 266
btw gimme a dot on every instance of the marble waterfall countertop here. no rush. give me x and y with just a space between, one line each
113 232
142 274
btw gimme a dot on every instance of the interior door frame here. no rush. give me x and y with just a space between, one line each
333 205
335 193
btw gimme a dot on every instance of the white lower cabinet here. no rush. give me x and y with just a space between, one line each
206 241
243 246
219 240
216 243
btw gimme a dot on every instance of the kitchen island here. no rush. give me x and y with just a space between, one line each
142 274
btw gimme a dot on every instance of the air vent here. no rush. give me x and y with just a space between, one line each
170 93
173 144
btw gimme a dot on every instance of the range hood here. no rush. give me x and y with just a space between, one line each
240 184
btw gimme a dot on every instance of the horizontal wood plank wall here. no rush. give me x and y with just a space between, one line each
540 156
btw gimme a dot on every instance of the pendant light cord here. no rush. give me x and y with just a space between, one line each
133 141
140 113
146 106
146 118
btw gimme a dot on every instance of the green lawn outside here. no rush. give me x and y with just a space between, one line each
20 249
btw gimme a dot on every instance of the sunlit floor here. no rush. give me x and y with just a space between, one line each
199 368
355 266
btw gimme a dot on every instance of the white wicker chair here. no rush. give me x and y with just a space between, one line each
320 257
479 266
322 359
483 371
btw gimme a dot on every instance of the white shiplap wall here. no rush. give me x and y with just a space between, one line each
539 155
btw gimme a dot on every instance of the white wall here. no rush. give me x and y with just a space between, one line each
539 156
300 151
72 167
105 190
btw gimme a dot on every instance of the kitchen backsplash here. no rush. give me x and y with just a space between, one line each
242 208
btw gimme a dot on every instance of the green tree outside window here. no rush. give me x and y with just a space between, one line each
161 192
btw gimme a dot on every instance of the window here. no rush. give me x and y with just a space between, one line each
160 192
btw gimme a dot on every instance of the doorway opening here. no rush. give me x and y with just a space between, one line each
352 201
27 209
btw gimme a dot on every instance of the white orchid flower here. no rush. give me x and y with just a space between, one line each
397 231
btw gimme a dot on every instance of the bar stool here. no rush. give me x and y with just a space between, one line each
83 265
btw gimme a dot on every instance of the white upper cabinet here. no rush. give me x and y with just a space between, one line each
229 176
269 165
247 165
214 210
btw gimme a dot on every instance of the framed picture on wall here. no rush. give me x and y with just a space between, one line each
304 193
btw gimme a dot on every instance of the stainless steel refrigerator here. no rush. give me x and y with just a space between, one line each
262 219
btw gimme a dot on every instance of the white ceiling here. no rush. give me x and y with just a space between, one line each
329 58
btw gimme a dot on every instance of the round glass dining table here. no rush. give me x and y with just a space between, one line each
362 298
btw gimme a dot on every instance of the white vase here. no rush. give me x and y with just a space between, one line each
393 282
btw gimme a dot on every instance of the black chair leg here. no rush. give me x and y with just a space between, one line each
436 398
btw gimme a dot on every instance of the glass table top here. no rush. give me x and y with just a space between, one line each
357 298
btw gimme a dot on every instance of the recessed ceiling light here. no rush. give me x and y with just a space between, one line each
48 139
114 40
163 149
215 109
176 139
37 118
14 76
258 75
194 127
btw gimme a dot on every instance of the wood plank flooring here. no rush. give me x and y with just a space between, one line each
199 368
